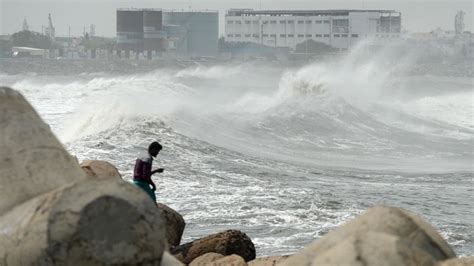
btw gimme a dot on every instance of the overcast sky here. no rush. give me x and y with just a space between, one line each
417 15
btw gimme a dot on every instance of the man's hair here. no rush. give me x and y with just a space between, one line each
155 145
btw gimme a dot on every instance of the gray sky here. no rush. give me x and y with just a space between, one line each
417 15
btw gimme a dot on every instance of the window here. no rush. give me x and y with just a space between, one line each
300 35
318 35
308 21
273 35
230 22
282 35
248 35
337 35
238 35
265 35
291 22
255 35
238 22
344 35
247 22
265 22
282 22
300 22
355 35
326 36
318 22
309 35
291 35
326 22
230 35
273 22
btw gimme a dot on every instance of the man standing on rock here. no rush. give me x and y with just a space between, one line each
142 172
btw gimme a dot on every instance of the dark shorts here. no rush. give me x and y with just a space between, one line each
146 187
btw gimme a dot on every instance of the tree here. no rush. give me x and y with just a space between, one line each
314 47
31 39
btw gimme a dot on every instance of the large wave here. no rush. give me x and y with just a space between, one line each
358 110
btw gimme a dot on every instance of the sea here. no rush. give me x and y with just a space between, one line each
283 152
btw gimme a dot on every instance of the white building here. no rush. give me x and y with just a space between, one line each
287 28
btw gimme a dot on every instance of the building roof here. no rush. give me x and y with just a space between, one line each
332 12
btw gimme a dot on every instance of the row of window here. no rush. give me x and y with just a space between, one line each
281 22
293 35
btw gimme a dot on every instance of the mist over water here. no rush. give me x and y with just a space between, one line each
284 153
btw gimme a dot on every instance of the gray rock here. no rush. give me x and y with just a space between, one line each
406 226
206 259
32 160
92 222
100 169
174 224
464 261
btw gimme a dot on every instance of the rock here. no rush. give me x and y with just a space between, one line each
174 224
206 259
91 222
168 260
32 160
100 169
406 227
464 261
371 249
232 260
268 261
225 243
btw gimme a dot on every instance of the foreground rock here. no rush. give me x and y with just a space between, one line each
52 214
232 260
464 261
381 236
206 259
100 169
32 160
174 224
169 260
226 243
268 261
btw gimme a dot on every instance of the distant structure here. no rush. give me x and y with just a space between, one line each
153 31
25 25
287 28
193 33
459 23
50 31
92 30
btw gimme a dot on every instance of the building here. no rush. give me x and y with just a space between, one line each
287 28
153 31
140 31
193 33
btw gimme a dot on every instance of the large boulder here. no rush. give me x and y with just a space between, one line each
52 214
206 259
232 260
464 261
92 222
225 243
100 169
405 227
32 160
174 224
169 260
268 261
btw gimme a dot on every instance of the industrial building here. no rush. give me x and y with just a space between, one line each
152 31
140 31
286 28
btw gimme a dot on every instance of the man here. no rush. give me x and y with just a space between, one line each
142 172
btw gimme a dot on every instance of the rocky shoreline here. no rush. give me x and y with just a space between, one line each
55 211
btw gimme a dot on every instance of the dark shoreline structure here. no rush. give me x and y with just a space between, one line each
52 212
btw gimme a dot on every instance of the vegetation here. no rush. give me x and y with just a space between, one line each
313 47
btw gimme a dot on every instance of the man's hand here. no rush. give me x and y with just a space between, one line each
159 170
